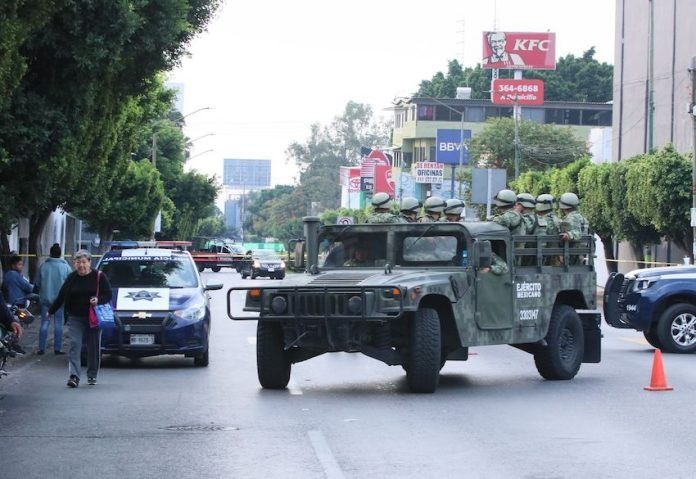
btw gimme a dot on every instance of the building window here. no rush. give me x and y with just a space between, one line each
425 112
474 114
533 114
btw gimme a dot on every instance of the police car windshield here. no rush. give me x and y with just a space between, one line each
171 272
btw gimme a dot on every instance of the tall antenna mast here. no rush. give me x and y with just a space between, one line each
495 15
463 40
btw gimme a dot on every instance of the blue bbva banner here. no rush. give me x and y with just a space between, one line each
448 145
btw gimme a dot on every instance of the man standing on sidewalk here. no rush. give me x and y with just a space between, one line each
51 277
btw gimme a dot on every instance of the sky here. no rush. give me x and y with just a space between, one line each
269 70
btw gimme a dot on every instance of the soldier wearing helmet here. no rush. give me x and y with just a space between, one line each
453 210
382 202
528 215
433 206
509 212
547 221
409 209
573 224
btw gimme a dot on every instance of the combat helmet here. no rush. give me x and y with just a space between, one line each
544 202
454 206
568 201
527 200
410 205
381 201
505 198
434 204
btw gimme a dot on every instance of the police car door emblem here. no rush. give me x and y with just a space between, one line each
144 295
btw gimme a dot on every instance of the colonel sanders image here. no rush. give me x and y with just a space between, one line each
500 58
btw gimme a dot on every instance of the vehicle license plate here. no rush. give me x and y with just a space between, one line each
142 339
270 270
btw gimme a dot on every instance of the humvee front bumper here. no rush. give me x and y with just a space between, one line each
335 302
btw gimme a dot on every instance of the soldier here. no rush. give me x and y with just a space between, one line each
381 202
453 210
409 209
547 222
433 207
509 212
497 267
528 215
573 224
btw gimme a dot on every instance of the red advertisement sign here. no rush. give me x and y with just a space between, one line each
519 50
384 181
522 92
348 175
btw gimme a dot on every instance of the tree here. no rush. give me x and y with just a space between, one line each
574 79
193 196
541 146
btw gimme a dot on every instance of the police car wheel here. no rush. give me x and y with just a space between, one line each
202 360
272 362
676 329
425 349
651 337
561 358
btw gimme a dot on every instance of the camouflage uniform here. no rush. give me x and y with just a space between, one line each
512 220
407 219
498 266
575 225
531 222
426 218
385 218
548 225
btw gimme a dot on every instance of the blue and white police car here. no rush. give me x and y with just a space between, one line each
160 303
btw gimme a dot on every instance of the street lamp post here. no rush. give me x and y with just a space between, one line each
154 133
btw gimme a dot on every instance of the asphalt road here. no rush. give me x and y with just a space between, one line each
346 415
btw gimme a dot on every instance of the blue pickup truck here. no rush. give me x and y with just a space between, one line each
660 302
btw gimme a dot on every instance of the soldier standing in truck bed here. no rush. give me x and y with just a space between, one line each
433 207
453 210
573 224
381 202
409 209
509 212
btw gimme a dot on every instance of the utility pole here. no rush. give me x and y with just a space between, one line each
692 73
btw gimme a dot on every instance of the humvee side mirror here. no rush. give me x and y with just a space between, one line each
484 254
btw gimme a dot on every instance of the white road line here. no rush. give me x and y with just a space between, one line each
631 339
294 389
325 456
251 340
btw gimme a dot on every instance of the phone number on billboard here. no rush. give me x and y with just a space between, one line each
518 88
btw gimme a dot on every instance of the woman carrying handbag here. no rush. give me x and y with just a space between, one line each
83 289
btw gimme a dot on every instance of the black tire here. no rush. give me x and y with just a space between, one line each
216 269
561 358
651 337
676 329
201 268
244 275
253 275
272 362
202 360
425 350
282 276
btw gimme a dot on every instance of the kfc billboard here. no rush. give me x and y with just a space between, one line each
384 181
519 50
522 92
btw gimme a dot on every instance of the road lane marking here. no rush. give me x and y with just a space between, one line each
630 339
325 456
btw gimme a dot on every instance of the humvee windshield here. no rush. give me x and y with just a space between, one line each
410 248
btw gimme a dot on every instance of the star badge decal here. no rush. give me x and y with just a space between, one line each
144 295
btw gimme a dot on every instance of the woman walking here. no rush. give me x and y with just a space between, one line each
77 295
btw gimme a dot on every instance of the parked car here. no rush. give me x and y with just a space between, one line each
265 263
160 303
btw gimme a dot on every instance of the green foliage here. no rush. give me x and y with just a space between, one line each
329 217
541 146
574 79
193 195
598 199
533 182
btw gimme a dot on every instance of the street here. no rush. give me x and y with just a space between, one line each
348 416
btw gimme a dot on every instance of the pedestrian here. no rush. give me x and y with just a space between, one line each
78 294
381 203
52 274
15 285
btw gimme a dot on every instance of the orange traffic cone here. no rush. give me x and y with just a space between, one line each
658 382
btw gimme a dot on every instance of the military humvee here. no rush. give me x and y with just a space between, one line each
420 294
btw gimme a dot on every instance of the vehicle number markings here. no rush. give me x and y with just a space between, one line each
142 339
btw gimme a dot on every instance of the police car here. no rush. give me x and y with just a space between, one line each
160 302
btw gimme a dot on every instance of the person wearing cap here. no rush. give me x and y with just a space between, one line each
409 209
52 274
453 210
381 203
433 207
509 212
